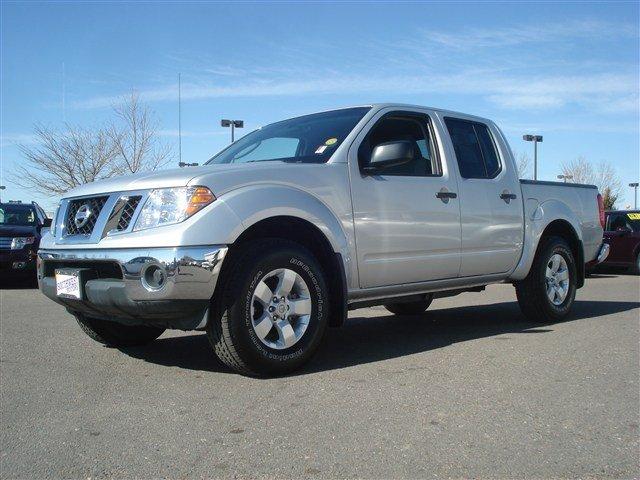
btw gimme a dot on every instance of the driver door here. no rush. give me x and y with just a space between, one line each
406 230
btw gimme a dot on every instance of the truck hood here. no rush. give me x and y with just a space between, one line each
219 178
177 177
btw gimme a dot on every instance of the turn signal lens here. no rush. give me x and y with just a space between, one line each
200 198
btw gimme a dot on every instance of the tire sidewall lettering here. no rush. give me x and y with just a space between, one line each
303 268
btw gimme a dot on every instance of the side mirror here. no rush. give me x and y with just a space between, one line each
390 154
47 222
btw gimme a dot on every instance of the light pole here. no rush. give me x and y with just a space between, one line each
233 124
2 187
635 194
535 139
565 177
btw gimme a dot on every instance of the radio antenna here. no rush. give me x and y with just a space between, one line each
179 119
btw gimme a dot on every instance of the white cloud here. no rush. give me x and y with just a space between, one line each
187 133
609 93
12 139
541 33
433 62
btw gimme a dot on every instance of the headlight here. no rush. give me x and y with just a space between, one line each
167 206
18 243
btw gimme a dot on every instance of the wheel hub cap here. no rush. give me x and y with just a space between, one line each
557 279
281 308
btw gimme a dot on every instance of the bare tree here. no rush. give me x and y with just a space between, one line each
523 164
135 137
603 175
63 159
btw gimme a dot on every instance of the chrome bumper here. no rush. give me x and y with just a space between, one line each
191 275
603 253
191 272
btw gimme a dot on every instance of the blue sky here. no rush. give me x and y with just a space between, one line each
568 71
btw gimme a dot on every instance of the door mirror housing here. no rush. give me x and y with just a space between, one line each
390 154
47 222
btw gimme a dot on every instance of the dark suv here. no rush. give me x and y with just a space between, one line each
622 233
21 227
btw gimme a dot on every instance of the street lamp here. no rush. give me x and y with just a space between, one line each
635 194
535 139
233 124
2 187
565 177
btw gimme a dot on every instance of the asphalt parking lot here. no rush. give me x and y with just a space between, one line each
470 389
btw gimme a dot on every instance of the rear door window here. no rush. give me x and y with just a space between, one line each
475 149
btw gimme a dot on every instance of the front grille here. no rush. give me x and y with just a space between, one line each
94 205
127 212
5 243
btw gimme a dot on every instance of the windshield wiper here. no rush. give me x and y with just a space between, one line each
265 160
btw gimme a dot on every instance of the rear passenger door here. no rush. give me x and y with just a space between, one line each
491 209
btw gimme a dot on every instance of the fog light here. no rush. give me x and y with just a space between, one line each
154 277
19 265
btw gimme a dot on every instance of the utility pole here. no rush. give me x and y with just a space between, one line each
635 194
233 124
64 94
535 139
179 119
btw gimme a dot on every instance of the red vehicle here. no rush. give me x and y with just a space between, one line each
622 233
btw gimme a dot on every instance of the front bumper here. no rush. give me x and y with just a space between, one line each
115 287
16 261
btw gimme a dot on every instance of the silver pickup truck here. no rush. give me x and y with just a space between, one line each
283 232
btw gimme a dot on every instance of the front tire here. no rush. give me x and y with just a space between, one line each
547 294
273 311
115 334
410 308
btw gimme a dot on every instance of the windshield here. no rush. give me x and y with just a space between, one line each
308 139
17 215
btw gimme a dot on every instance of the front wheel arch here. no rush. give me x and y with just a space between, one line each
307 235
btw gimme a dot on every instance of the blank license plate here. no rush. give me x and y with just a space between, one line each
68 284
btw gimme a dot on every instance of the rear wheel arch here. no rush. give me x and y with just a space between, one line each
309 236
564 230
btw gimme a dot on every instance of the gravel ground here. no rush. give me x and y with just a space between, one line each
470 389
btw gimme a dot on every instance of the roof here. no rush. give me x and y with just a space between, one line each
379 106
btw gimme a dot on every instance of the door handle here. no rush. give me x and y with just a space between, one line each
446 195
508 196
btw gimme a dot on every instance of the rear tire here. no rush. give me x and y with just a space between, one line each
273 309
115 334
543 295
410 308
